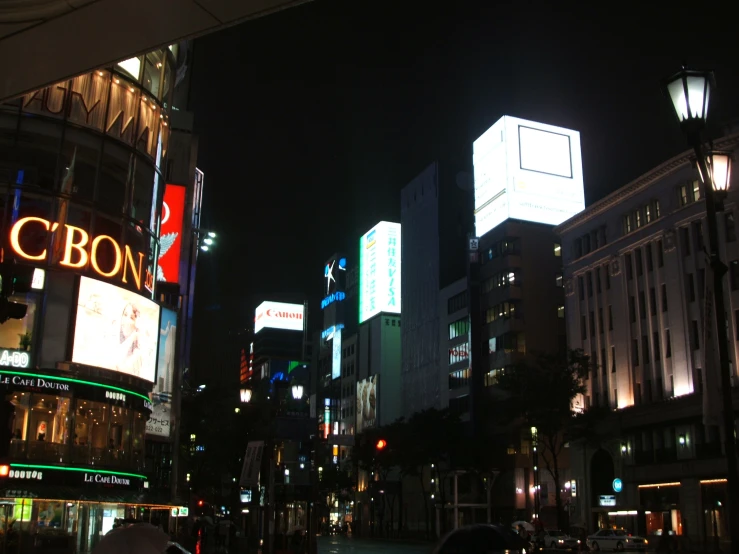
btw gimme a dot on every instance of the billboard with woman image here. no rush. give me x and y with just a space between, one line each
116 329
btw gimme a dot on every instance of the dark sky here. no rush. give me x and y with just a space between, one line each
312 120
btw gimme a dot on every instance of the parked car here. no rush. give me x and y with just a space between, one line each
616 539
556 538
482 539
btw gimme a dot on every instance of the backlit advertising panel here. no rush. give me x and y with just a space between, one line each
278 315
170 238
116 329
379 271
367 403
528 171
159 423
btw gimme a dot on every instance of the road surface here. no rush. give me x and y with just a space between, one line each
350 545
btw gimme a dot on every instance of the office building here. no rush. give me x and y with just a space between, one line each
635 278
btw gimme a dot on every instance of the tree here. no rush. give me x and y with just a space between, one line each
542 389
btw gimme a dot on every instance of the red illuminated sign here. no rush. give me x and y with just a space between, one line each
173 211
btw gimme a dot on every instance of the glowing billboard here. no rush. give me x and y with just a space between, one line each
278 315
367 403
161 394
379 271
116 329
526 170
170 236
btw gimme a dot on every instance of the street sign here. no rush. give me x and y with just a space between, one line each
474 244
618 485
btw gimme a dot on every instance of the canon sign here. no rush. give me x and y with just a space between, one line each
278 315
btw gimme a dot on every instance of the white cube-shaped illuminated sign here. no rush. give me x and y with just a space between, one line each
379 271
526 170
278 315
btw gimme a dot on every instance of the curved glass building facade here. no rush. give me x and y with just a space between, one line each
81 185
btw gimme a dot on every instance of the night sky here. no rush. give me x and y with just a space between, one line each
311 120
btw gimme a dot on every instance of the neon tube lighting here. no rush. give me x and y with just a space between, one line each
69 379
85 470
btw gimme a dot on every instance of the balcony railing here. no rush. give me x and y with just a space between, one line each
57 453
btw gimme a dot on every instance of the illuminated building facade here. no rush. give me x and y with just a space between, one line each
635 269
81 189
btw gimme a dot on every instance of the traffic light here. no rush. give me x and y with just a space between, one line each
13 279
200 503
381 444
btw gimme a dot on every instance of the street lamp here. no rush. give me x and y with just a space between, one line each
297 392
245 395
690 92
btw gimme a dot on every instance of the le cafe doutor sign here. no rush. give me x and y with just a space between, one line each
78 251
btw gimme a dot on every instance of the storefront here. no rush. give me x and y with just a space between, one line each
76 458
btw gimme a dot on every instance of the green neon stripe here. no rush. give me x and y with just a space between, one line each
86 470
110 387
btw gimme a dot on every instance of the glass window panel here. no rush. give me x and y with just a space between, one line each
143 189
37 151
115 174
90 435
48 427
80 156
153 73
131 66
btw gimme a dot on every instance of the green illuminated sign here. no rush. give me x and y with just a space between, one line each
46 378
36 467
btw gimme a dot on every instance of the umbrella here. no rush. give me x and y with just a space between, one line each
525 524
140 538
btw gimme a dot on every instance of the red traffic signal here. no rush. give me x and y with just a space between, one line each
200 503
382 443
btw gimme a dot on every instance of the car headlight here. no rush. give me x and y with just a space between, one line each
646 541
560 541
578 541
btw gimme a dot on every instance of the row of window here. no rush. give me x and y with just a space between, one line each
641 216
502 279
459 328
459 353
504 247
585 282
504 310
634 259
458 379
492 376
507 342
589 242
689 192
457 302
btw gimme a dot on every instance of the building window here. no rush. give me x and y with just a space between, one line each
589 278
581 287
730 227
648 253
698 232
597 280
592 323
459 353
683 193
583 328
459 328
457 302
696 335
690 286
655 205
696 190
734 274
642 305
648 213
577 248
639 266
557 249
559 280
608 277
660 254
610 317
492 376
637 218
629 267
627 224
664 297
613 359
560 312
645 349
504 310
600 319
668 344
634 352
655 340
685 240
632 309
652 301
586 244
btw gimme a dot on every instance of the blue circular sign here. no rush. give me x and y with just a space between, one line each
618 485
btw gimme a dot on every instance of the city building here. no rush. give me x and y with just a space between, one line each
82 183
635 278
436 218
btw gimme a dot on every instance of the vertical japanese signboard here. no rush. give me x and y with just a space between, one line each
379 271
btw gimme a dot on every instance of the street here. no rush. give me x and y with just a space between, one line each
345 545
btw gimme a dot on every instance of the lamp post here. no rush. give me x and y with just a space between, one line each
690 92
